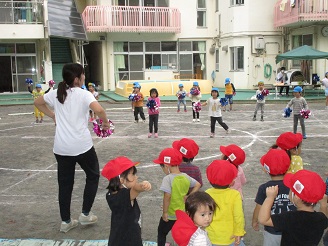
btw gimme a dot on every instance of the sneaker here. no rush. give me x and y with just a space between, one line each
185 110
136 121
262 118
149 135
212 135
88 220
254 118
198 120
37 121
156 135
65 227
194 120
178 110
304 137
41 120
228 131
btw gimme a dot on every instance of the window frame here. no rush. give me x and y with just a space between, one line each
202 10
234 59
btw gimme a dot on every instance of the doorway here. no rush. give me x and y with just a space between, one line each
5 74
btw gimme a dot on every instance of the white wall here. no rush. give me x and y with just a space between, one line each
22 31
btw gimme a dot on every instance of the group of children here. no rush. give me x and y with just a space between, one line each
284 205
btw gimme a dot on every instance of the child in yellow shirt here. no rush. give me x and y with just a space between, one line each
37 92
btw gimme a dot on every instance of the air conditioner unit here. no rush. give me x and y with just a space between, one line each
259 43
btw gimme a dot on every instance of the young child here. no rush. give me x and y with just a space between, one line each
214 111
260 100
175 186
227 227
195 96
188 149
304 226
37 92
92 89
298 103
123 189
275 162
137 106
189 229
181 95
292 144
230 91
235 155
324 82
153 105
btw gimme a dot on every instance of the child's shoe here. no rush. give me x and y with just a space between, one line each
212 135
149 135
228 131
37 121
262 118
194 120
198 120
88 219
41 120
156 135
304 137
185 110
136 121
178 110
65 227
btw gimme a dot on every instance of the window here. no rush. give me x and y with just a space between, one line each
236 2
217 60
201 13
237 58
300 40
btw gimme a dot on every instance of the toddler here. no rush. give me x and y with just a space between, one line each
230 91
260 100
195 96
37 92
137 106
153 105
181 94
92 89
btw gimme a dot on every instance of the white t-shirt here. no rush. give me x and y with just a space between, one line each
325 83
72 135
214 107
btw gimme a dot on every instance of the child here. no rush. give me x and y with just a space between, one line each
175 186
189 228
304 226
195 96
214 111
325 84
153 110
189 149
37 92
260 100
228 223
137 106
92 89
298 103
235 155
230 91
123 189
181 94
275 162
292 144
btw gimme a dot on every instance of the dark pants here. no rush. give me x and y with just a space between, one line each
194 114
163 229
139 110
153 120
282 88
296 118
217 119
65 175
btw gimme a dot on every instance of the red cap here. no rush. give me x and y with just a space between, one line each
289 140
307 185
187 147
221 172
235 154
169 156
117 166
183 228
275 161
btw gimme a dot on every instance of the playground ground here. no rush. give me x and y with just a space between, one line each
28 184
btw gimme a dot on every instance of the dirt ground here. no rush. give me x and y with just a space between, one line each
28 185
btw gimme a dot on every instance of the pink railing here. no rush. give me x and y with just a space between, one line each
302 11
131 19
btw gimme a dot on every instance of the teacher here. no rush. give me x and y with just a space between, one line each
283 78
73 142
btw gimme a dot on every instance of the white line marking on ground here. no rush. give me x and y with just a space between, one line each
15 114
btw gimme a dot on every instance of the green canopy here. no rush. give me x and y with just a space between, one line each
304 52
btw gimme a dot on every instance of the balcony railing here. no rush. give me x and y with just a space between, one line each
131 19
303 11
12 12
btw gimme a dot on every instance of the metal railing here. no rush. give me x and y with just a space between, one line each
131 19
18 12
302 11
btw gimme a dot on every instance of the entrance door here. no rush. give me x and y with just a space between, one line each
5 74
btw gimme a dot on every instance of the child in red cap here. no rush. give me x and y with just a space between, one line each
123 189
188 149
236 156
304 226
227 227
292 144
189 229
276 163
175 186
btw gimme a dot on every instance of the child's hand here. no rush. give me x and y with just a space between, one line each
237 239
272 192
165 217
145 185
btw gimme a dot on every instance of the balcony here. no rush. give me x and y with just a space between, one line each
21 12
131 19
304 11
